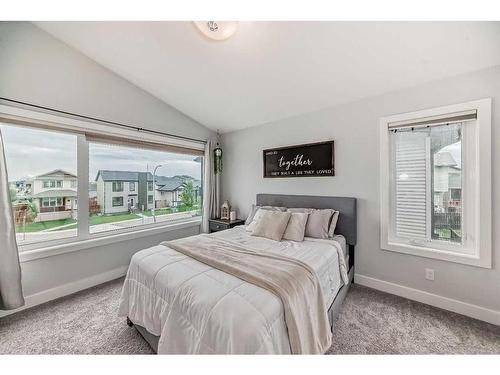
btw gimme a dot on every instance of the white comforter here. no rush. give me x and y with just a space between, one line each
198 309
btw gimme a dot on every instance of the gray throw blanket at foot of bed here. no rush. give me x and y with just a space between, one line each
293 281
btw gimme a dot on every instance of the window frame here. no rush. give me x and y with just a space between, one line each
482 224
16 116
113 201
117 183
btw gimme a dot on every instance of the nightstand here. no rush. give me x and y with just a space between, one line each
216 225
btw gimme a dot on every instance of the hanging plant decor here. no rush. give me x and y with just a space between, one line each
218 159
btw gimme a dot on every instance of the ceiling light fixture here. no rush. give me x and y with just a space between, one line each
217 30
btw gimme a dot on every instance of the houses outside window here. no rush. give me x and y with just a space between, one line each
139 198
44 205
57 200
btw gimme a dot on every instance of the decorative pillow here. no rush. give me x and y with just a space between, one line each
296 227
318 222
333 224
255 208
250 227
271 224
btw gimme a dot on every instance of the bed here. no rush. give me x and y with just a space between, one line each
182 306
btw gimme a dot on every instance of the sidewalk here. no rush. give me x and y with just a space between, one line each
55 234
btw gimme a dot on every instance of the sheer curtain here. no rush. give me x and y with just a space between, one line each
211 187
11 294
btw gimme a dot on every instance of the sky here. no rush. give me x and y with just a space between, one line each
30 152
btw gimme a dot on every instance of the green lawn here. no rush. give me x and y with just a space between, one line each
159 211
105 219
446 233
170 210
37 227
111 218
96 220
93 220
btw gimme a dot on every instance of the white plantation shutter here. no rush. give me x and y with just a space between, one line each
410 173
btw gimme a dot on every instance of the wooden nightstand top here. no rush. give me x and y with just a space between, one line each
228 222
216 225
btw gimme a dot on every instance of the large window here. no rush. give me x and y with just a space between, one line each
115 166
430 184
427 165
38 162
68 184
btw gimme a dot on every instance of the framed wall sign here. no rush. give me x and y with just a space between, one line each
308 160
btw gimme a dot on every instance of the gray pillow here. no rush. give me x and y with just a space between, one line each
296 227
333 224
255 208
318 222
271 224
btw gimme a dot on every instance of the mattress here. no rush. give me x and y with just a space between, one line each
340 239
198 309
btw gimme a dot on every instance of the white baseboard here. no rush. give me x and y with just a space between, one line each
69 288
473 311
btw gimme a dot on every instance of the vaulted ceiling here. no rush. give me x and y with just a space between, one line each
273 70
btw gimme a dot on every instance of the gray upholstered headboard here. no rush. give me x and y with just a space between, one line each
346 225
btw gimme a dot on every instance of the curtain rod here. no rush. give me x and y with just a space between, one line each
103 121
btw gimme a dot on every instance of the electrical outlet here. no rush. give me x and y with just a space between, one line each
429 274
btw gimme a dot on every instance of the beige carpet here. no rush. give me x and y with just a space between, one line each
370 322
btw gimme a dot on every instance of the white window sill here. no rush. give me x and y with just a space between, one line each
427 252
29 255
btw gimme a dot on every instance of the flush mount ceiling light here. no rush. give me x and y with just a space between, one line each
217 30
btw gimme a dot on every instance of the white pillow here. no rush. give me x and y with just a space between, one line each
296 227
255 208
271 224
250 227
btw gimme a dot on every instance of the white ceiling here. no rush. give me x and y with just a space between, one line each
273 70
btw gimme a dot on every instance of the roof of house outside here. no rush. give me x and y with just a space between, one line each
121 175
444 159
56 172
55 193
175 182
163 183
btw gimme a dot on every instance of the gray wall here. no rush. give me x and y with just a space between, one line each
354 127
46 273
35 67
